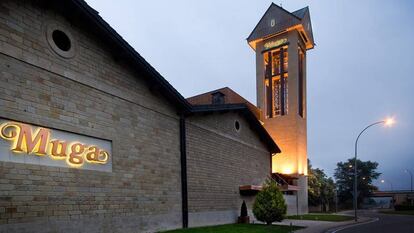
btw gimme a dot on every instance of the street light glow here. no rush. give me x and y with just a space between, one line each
389 121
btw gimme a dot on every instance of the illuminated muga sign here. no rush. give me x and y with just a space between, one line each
273 44
24 143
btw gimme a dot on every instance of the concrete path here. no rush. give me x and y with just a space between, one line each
320 226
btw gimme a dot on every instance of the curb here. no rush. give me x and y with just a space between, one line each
346 226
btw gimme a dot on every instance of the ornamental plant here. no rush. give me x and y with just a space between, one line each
243 210
269 205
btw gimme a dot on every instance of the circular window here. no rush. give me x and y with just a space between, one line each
237 125
60 40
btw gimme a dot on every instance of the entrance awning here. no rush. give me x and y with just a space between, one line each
248 190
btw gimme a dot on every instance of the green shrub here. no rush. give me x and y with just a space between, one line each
269 205
243 210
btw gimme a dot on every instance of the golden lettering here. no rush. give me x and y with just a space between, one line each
27 143
24 140
273 44
75 156
58 150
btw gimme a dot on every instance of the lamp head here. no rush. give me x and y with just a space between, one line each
389 121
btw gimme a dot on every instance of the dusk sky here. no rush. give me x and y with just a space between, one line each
359 72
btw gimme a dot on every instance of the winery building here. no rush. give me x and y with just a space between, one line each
94 139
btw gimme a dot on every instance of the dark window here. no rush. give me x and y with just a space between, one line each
301 84
217 98
61 40
237 125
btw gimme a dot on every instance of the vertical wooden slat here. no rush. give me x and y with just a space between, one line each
282 83
269 92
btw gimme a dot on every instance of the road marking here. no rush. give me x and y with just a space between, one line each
354 225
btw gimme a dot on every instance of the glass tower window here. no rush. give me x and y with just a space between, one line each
276 91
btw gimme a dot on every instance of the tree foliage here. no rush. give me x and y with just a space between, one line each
321 188
269 205
344 175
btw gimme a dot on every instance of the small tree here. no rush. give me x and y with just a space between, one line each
243 210
243 218
269 205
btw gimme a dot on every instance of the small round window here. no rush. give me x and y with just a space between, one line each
60 40
237 125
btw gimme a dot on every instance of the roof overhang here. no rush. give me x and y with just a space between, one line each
309 44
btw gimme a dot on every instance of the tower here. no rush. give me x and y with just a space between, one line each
281 40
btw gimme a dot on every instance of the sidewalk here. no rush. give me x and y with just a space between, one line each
319 226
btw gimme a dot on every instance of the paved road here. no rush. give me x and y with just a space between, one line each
386 224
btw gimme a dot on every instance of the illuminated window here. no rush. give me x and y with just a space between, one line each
277 95
276 89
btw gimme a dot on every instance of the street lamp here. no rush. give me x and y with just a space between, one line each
392 188
411 175
387 122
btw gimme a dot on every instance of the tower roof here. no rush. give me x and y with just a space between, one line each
277 20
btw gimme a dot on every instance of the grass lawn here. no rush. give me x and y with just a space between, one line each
322 217
238 228
403 212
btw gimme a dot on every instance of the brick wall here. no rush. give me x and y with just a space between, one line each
92 94
89 94
219 160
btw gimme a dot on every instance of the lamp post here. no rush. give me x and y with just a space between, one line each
411 175
336 200
388 122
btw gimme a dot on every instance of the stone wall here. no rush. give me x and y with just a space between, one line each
92 94
89 94
219 160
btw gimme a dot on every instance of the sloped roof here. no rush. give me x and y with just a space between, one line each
301 12
277 20
283 20
230 96
80 12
